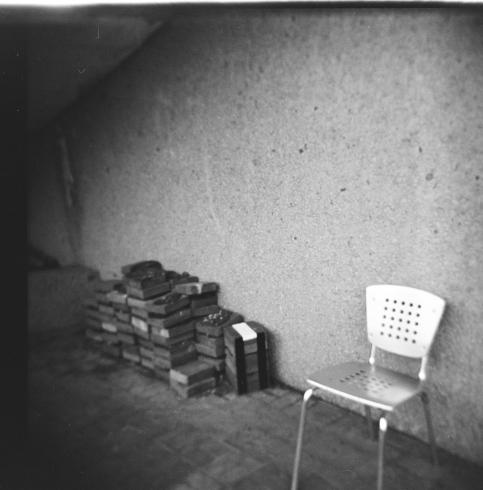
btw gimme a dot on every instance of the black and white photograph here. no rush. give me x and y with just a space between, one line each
250 245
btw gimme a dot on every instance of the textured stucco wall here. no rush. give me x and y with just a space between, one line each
296 157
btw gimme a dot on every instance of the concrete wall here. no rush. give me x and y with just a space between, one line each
296 157
56 296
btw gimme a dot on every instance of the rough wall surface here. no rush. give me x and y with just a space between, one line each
296 157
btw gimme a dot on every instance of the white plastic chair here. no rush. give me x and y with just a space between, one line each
402 321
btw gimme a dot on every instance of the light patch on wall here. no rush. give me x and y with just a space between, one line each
211 204
67 177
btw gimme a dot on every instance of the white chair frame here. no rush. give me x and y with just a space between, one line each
400 320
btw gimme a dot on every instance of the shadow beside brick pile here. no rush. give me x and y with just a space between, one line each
102 423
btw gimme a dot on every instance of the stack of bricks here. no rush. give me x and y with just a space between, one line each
93 319
103 291
160 318
246 357
145 281
171 324
210 339
122 321
172 332
192 378
203 300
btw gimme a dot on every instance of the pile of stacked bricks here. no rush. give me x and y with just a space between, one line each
172 325
210 337
100 316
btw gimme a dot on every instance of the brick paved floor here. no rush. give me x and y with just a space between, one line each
100 423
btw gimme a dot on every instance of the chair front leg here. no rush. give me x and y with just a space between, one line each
427 415
300 435
380 458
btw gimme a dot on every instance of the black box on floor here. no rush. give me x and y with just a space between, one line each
246 356
250 383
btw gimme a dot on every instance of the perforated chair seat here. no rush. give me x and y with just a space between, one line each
373 386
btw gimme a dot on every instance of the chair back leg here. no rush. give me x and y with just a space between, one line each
370 424
380 454
429 424
300 435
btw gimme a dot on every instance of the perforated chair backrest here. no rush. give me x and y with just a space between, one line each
402 320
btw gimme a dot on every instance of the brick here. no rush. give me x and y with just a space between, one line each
146 279
215 351
218 364
191 372
167 304
186 391
152 265
149 292
196 288
176 360
170 342
202 300
176 330
171 320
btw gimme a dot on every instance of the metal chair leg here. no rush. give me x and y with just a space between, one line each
370 424
429 424
300 435
380 458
